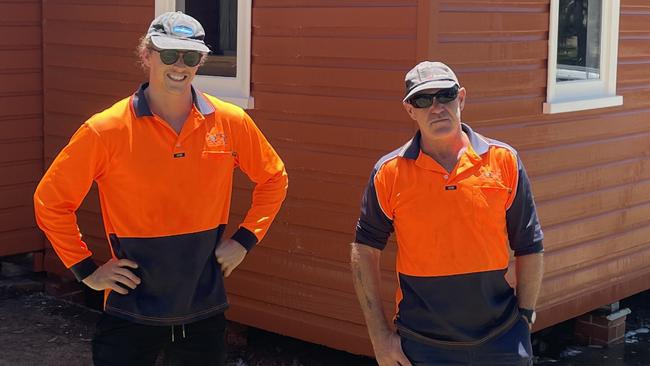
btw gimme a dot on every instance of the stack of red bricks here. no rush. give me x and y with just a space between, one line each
601 328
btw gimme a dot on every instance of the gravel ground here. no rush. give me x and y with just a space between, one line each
37 329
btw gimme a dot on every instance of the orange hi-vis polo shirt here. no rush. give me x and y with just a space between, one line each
165 201
453 230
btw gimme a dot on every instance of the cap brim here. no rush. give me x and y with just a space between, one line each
171 43
435 84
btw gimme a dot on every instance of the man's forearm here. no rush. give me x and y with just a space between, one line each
530 269
366 278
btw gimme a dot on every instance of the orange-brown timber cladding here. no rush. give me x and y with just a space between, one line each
327 80
21 124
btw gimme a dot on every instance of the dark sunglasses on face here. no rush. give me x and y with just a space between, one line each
169 57
443 96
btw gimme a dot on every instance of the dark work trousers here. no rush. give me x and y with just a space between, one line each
122 342
511 348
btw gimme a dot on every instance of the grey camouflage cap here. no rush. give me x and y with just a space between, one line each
428 75
177 31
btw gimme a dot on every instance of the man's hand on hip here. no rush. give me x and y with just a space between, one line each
388 351
113 274
229 254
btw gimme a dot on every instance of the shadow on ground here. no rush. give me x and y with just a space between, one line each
554 346
37 329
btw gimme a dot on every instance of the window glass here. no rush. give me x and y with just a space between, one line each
219 19
578 47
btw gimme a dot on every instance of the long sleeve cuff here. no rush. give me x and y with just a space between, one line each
84 268
245 237
537 247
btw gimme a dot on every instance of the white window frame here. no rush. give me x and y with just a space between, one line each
236 90
570 96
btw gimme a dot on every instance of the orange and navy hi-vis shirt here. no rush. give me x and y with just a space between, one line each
165 200
453 231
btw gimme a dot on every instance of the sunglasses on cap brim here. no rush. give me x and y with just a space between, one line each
190 58
443 96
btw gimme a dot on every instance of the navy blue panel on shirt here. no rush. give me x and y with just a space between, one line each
458 308
524 231
374 227
181 279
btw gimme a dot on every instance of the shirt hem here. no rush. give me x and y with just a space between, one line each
171 320
415 336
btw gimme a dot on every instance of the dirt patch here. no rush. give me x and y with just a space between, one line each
38 330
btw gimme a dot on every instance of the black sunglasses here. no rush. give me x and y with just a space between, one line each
443 96
169 57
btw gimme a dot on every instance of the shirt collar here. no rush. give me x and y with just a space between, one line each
412 148
479 144
141 106
201 102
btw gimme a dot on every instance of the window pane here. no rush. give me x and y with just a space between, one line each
578 47
219 19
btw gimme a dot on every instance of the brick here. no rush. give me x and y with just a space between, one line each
620 330
597 342
603 321
596 329
592 330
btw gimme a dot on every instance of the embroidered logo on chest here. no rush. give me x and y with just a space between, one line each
487 174
214 138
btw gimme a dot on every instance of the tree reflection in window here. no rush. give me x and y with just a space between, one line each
578 50
219 19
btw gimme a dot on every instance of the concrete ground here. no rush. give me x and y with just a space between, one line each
38 329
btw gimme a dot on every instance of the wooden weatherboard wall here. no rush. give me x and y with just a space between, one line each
21 124
327 78
590 170
89 64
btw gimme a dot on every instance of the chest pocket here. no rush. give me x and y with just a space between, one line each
216 170
217 155
489 203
